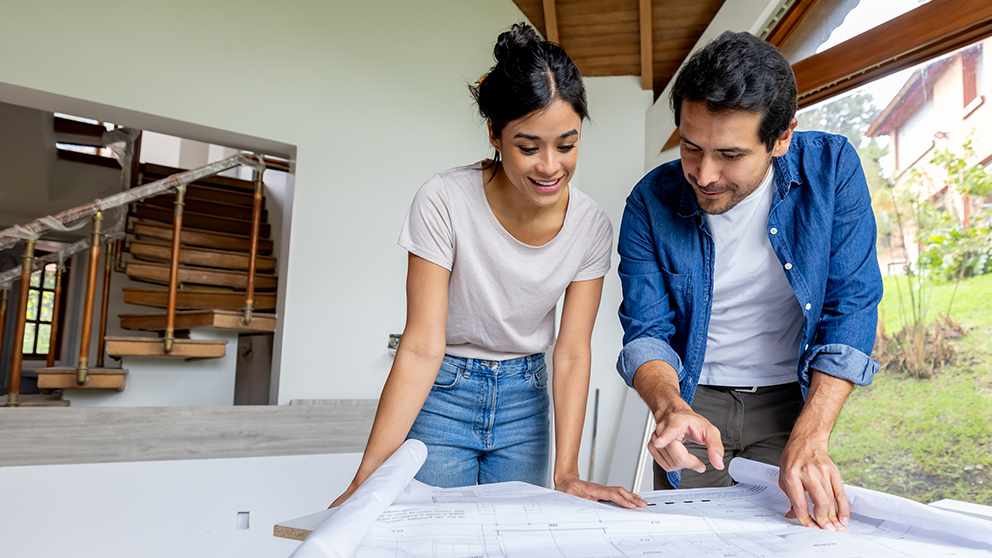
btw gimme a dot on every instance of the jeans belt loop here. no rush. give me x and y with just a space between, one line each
751 389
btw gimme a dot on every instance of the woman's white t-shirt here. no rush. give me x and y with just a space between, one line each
502 293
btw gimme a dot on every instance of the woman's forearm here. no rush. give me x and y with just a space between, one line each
403 395
570 388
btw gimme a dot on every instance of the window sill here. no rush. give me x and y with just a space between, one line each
973 106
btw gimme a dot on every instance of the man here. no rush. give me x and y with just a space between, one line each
750 282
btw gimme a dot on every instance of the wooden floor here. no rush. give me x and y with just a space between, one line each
50 436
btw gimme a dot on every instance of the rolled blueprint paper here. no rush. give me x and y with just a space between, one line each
338 536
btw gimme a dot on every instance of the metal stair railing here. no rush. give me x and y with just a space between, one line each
94 212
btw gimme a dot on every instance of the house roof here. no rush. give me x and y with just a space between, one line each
909 98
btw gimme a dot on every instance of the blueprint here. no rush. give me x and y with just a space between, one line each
514 520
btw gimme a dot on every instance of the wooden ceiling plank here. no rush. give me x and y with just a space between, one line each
647 65
550 21
632 61
620 41
631 28
598 7
567 18
686 12
673 141
533 10
590 52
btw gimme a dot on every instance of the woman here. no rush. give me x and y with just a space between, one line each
492 248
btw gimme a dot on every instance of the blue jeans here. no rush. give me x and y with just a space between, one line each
486 421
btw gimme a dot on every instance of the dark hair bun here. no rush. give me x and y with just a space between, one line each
519 36
530 74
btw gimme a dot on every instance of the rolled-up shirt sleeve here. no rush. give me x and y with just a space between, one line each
645 312
840 361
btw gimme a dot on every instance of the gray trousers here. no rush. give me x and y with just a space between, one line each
752 425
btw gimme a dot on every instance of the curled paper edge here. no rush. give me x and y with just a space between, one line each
338 536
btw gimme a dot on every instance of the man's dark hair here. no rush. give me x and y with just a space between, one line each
740 72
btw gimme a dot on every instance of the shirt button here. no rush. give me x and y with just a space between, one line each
808 306
788 266
774 230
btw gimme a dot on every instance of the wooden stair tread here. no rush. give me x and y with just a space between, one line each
210 193
206 299
205 257
197 237
219 209
199 220
189 319
162 171
155 346
37 400
156 273
96 378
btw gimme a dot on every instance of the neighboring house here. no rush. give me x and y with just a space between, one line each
941 106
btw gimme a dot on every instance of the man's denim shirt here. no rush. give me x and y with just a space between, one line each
822 229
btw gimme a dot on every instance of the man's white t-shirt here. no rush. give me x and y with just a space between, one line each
756 322
502 293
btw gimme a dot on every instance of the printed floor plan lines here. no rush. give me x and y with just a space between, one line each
516 520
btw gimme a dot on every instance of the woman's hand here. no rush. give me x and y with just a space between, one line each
619 495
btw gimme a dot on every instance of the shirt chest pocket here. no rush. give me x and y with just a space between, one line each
679 295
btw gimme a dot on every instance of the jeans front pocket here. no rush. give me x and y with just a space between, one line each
539 379
447 376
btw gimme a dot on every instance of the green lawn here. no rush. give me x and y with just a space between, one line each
972 305
927 439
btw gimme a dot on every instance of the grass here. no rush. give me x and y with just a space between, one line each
971 305
927 439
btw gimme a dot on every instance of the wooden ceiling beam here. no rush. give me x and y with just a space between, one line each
647 47
550 21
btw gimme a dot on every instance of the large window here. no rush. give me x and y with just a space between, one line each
831 22
41 313
924 137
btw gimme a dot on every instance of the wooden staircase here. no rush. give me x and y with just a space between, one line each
211 267
214 266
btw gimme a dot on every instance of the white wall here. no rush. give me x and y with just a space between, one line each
610 162
164 509
369 97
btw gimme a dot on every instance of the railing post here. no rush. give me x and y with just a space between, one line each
84 344
177 226
14 390
105 303
256 219
56 308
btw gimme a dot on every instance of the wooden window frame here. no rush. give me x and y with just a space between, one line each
934 29
60 318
